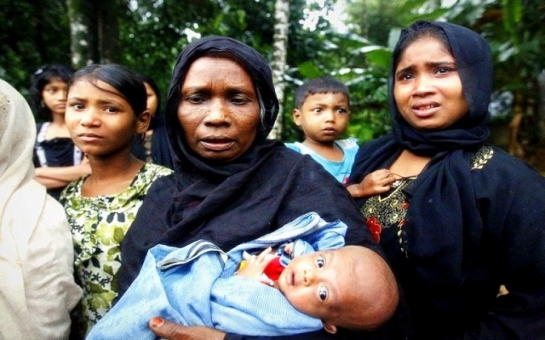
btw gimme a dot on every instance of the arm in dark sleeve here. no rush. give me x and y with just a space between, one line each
515 210
145 232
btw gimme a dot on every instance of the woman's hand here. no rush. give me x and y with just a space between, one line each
173 331
377 182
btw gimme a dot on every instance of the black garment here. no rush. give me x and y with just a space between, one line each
159 149
231 203
58 152
474 221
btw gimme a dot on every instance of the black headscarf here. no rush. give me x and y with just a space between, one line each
474 64
442 199
200 179
258 68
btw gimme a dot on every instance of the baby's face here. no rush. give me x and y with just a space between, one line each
315 284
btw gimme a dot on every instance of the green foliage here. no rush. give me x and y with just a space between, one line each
153 32
33 33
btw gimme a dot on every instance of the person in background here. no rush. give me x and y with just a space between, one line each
106 107
57 160
152 146
322 111
37 288
230 183
462 217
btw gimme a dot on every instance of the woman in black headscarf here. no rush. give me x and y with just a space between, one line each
460 218
231 184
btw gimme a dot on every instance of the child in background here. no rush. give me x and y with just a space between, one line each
106 107
322 110
57 160
152 146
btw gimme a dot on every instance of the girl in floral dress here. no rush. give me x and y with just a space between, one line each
106 107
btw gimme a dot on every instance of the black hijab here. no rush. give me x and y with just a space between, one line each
185 160
198 180
442 209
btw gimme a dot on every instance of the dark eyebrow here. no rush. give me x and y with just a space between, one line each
75 98
431 64
100 101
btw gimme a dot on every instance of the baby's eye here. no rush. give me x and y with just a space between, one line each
322 293
320 262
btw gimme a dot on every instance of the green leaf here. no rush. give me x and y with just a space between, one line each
309 70
512 13
118 235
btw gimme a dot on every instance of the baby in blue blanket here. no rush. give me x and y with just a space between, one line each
324 284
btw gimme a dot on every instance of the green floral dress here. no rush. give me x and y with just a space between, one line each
98 226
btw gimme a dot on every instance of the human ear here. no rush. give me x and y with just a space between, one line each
329 327
297 117
143 122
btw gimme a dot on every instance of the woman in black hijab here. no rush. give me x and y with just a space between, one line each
231 184
460 218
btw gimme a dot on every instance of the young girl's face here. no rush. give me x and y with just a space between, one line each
428 89
100 120
54 95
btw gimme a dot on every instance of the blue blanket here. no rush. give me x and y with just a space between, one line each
195 285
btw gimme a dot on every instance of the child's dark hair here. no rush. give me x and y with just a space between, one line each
325 84
40 78
126 82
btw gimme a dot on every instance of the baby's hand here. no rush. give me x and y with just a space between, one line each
255 265
288 248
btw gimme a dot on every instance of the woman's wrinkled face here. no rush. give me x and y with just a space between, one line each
219 109
427 86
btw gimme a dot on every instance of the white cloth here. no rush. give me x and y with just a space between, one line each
37 288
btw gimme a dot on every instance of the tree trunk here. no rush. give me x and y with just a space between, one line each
107 13
281 29
94 31
83 32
